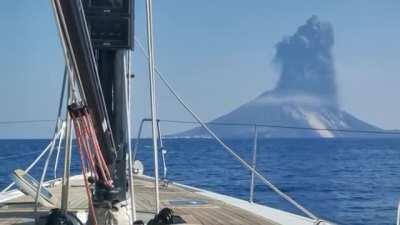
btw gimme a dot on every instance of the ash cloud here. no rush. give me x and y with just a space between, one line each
306 62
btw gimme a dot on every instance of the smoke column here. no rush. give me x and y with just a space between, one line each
306 62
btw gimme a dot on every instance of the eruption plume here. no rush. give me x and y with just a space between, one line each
306 62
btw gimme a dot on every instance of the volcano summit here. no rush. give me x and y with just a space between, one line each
306 94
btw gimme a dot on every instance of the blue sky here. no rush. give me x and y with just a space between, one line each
216 53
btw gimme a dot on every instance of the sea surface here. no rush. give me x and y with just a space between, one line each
348 181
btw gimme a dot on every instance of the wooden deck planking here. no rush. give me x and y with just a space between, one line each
210 212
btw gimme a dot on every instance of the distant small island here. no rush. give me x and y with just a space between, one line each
306 95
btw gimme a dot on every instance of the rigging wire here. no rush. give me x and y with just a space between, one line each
60 125
237 124
39 187
25 121
284 127
19 155
48 147
59 147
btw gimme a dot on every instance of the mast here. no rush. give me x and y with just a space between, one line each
110 27
97 36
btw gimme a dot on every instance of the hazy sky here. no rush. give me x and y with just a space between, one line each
216 53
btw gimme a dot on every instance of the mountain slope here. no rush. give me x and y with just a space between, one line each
286 112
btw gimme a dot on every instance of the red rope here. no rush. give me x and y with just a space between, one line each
89 145
83 144
84 172
102 166
90 155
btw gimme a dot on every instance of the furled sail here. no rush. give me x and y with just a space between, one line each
97 38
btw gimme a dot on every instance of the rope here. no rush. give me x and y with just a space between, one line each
88 144
87 190
46 164
34 162
227 148
60 122
19 155
83 144
90 156
58 152
137 142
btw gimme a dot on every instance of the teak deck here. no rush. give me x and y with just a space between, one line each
191 206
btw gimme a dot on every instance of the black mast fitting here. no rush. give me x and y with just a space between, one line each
110 24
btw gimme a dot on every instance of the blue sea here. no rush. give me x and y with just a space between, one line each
348 181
